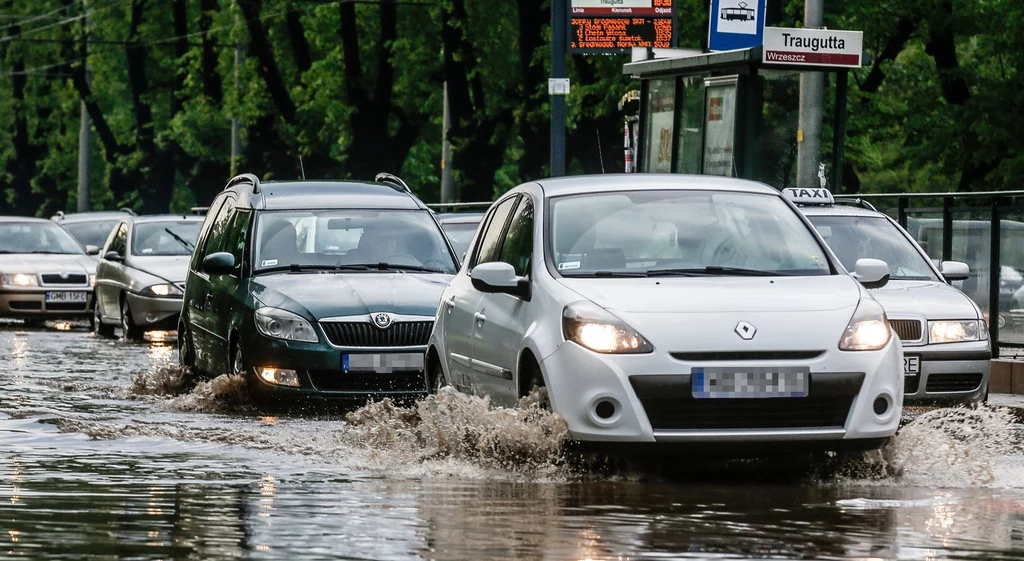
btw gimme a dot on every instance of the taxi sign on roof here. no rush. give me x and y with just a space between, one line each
807 196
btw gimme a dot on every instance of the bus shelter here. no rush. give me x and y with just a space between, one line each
735 114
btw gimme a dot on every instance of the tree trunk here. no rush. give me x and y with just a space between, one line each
261 49
212 88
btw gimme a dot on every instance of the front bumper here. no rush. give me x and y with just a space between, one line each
151 313
654 403
30 302
320 373
951 372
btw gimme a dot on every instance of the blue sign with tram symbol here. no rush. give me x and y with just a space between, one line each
736 24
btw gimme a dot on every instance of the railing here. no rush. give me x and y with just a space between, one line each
962 225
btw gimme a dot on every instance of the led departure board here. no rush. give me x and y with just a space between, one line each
615 26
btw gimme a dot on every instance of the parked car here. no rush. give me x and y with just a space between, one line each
140 279
315 288
944 334
460 227
44 272
670 309
91 228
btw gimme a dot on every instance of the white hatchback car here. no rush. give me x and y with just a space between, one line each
670 308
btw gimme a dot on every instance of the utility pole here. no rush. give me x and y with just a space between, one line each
559 30
236 139
447 181
84 124
812 93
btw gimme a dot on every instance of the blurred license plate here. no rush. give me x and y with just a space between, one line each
67 296
382 363
756 382
911 365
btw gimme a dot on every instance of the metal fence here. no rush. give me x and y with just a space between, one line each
959 227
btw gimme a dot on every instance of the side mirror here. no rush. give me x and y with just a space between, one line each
500 277
872 273
955 270
113 256
92 250
220 263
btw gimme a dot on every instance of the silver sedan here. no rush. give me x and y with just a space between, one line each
141 275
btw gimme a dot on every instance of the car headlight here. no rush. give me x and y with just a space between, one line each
597 329
956 331
92 279
282 324
19 279
868 330
162 291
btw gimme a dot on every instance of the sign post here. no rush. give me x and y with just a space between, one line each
735 24
813 47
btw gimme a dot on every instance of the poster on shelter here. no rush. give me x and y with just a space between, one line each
720 129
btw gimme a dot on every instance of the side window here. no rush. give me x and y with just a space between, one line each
490 241
518 246
236 239
204 233
220 228
120 241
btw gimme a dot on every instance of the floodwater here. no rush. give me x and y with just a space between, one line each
104 454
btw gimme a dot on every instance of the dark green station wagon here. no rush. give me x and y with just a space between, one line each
315 288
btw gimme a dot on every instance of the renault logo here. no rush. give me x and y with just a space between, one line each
382 320
745 330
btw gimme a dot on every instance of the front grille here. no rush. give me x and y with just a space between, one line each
707 356
911 383
367 382
365 334
907 329
53 278
65 306
953 382
26 305
767 413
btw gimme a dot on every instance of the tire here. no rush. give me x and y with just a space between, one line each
238 361
97 324
129 330
532 378
436 380
186 352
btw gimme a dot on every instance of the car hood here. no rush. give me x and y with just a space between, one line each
933 300
47 263
352 294
172 267
675 295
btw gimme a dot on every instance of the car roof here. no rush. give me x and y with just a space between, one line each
304 195
98 216
581 184
25 219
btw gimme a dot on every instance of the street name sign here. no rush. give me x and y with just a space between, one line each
793 46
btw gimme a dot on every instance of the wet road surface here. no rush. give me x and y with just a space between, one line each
97 460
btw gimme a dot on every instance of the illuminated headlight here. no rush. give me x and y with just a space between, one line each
19 279
92 279
868 330
162 291
956 331
278 376
597 329
282 324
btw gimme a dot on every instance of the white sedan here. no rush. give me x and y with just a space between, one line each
668 308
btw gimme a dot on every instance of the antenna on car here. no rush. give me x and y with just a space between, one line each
301 168
393 180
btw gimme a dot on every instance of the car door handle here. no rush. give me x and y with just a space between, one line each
480 318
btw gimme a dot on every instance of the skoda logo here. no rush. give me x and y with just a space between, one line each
382 320
745 330
64 276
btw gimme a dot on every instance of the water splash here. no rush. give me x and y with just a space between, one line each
166 380
225 393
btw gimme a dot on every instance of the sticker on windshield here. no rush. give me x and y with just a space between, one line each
568 265
268 263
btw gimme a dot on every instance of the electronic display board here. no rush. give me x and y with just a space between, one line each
616 26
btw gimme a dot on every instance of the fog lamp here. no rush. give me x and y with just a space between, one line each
278 376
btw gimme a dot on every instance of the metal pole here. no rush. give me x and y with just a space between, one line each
812 92
995 269
447 181
839 131
901 211
947 228
236 139
84 127
559 30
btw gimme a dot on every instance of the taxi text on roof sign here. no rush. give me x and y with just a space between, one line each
812 47
803 196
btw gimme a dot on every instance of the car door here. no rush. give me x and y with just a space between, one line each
461 301
499 317
227 292
109 274
210 346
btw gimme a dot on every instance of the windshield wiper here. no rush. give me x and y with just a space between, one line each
605 274
398 267
713 270
296 268
188 245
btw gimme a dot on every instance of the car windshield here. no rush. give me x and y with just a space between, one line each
647 233
856 237
36 237
176 237
351 239
91 233
461 234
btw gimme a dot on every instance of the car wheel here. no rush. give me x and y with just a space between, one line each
186 354
238 361
437 380
129 330
97 325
